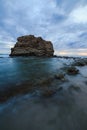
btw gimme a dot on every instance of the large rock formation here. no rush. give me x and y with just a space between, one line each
32 46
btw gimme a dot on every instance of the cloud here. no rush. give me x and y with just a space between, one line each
79 15
62 22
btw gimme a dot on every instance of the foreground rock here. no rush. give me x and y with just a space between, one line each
32 46
60 77
15 90
48 93
74 87
80 62
72 71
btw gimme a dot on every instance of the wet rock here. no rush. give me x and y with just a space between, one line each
55 56
60 77
32 46
65 57
75 88
72 71
48 93
51 92
45 82
80 62
60 89
86 82
16 90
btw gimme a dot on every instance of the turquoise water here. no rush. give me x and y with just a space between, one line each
17 70
66 110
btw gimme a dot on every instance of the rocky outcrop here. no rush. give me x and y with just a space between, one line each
32 46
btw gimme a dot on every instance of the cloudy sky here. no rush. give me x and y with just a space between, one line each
64 22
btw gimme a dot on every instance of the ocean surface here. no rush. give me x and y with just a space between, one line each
65 110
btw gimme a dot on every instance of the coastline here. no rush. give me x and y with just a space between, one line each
46 84
51 91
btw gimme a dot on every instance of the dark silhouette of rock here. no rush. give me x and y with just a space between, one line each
30 45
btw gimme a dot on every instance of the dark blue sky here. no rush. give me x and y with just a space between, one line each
64 22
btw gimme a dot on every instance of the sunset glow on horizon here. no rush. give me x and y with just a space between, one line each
71 52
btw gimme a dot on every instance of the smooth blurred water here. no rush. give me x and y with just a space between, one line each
20 70
17 70
67 110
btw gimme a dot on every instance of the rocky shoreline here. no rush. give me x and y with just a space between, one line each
69 57
46 86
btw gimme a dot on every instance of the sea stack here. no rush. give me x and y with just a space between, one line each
30 45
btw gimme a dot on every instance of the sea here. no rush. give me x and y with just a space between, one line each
65 110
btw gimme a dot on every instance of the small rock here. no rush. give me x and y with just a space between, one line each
86 82
72 71
80 62
60 77
75 88
48 93
60 88
45 82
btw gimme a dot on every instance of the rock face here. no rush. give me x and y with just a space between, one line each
32 46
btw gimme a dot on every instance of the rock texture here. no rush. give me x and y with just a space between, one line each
32 46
